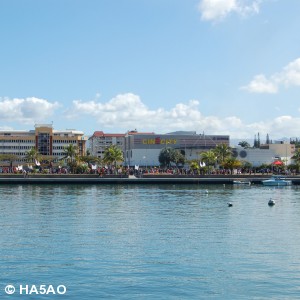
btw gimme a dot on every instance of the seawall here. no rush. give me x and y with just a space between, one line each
146 179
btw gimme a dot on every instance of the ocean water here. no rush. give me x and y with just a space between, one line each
149 242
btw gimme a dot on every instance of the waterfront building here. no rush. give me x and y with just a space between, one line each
46 140
266 153
100 140
143 149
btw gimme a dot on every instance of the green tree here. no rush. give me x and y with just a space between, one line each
246 165
71 152
222 152
177 157
32 155
169 155
231 163
165 156
112 155
71 155
91 159
244 144
194 165
296 157
209 157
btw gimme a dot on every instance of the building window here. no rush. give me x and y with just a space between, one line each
44 143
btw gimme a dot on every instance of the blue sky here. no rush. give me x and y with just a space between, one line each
214 66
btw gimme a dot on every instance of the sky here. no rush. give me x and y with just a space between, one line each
214 66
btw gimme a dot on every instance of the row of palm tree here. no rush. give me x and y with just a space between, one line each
221 155
112 155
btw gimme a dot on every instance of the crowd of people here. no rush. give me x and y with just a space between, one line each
141 171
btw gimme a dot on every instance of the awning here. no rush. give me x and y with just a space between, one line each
277 163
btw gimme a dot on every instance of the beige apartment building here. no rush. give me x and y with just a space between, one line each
44 138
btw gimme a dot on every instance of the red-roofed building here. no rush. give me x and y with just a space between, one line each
100 140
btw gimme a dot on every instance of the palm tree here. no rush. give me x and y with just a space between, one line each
209 157
32 155
91 159
244 144
112 155
71 152
222 152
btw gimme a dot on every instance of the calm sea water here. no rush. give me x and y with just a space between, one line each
151 242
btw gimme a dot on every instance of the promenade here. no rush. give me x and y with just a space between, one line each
146 179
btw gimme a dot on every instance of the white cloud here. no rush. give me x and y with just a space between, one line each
289 76
260 84
215 10
127 111
26 110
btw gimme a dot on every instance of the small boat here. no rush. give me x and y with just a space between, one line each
241 182
277 181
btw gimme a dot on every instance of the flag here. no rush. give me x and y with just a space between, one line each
136 167
94 167
37 163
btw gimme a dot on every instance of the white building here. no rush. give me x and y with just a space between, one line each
266 154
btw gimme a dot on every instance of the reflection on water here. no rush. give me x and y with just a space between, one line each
152 242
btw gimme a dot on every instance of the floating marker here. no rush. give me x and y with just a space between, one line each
271 202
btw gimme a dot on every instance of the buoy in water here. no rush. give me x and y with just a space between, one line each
271 202
229 204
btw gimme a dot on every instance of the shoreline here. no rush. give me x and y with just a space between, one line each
146 179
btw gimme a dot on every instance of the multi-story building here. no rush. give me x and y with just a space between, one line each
44 139
100 140
143 148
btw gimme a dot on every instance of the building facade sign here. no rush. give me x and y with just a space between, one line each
159 141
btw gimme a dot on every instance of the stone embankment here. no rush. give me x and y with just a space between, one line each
146 179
